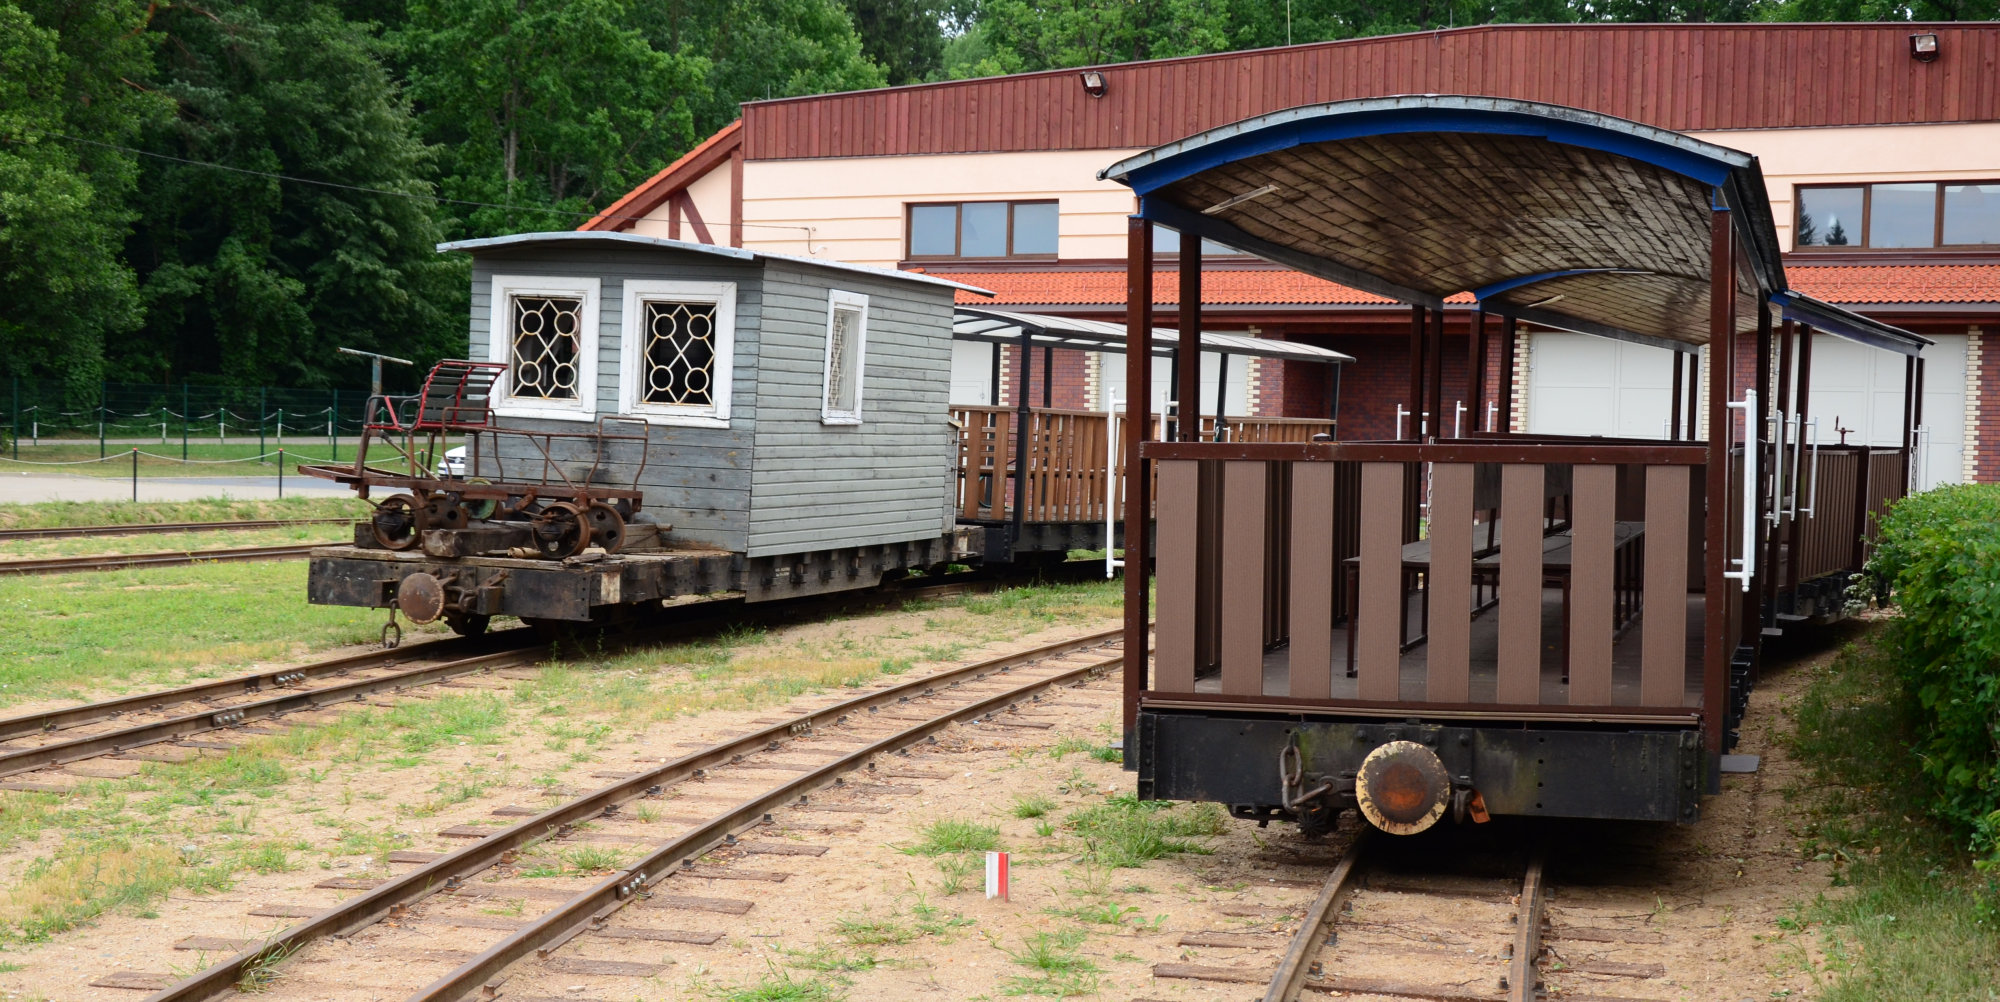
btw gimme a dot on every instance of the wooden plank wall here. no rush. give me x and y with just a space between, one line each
889 478
696 479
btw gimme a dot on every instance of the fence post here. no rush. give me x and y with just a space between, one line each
17 417
103 391
281 473
184 421
135 473
262 414
333 426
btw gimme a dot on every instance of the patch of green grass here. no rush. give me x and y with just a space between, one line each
57 514
953 835
1033 806
1070 746
1125 831
1103 913
780 986
73 635
89 878
866 930
1921 922
1058 965
955 873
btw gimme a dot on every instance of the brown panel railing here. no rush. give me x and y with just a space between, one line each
1518 612
1066 458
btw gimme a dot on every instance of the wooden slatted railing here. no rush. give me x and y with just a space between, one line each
1066 459
1451 620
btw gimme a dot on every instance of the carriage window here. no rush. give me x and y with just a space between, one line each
545 332
680 354
846 348
675 361
544 351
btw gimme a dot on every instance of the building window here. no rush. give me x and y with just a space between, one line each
982 230
1167 243
545 331
678 341
1898 215
846 351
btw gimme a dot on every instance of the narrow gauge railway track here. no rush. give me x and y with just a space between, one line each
1372 932
165 558
149 528
43 739
855 724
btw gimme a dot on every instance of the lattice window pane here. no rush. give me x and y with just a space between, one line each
843 377
680 354
546 332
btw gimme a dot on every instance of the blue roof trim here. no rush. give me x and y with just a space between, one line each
1508 285
1337 125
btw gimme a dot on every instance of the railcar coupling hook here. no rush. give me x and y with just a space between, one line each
1291 774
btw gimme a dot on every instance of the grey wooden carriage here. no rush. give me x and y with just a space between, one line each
793 412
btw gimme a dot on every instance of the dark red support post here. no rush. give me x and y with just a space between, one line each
1189 352
1674 398
1434 373
1138 426
1416 375
1475 370
1510 336
1716 599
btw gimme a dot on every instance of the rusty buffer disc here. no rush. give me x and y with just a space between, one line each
1402 788
421 598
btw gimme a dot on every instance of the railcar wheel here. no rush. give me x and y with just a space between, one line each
397 523
484 508
607 527
443 511
560 530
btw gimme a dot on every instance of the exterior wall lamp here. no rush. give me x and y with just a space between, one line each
1924 48
1093 82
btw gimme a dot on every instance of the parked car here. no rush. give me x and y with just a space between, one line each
452 465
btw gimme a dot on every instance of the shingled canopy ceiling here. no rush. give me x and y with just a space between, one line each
1554 215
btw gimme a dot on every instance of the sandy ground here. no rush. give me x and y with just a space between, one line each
1702 902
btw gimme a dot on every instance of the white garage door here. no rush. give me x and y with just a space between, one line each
971 373
1860 388
1583 385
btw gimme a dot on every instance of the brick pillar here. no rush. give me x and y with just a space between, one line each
1982 412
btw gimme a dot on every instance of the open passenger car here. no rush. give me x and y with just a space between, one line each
1498 623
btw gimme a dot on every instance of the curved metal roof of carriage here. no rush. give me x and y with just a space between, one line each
1554 215
587 237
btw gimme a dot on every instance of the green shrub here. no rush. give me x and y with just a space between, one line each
1939 553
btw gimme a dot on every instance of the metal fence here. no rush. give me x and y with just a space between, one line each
45 413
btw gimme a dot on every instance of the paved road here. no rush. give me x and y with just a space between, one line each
30 488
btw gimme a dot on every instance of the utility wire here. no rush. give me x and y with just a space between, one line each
437 199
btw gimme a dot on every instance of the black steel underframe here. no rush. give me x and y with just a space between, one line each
1586 769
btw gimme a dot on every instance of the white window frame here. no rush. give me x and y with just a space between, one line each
632 360
500 345
836 299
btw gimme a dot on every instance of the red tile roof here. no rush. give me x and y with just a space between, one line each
1852 284
1866 284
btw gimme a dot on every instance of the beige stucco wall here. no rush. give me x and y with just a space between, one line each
851 209
1863 153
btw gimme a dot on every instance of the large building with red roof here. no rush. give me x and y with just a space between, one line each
1881 156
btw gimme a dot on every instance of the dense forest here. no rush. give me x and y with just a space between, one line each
224 191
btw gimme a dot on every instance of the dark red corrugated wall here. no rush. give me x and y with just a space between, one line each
1681 77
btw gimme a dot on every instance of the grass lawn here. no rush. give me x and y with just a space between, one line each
72 634
54 514
1917 920
162 542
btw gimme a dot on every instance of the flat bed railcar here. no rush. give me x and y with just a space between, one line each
1500 623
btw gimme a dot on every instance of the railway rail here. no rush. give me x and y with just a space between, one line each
164 558
150 528
856 724
49 738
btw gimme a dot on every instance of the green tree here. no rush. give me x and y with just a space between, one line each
254 279
562 104
758 49
905 37
65 72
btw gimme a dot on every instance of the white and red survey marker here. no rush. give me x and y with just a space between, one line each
996 875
